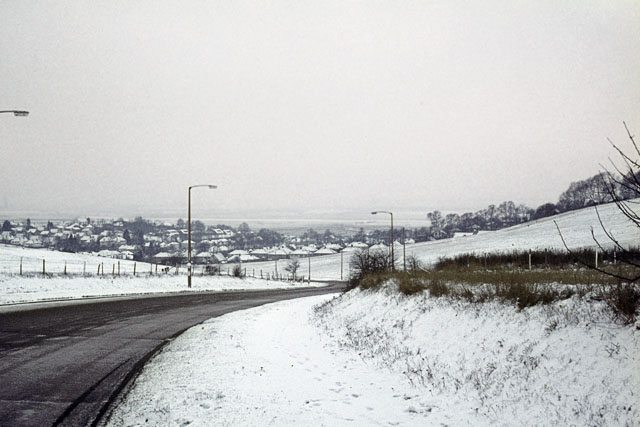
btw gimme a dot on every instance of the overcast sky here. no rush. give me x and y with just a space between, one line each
310 105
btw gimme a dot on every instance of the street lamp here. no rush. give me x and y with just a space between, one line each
19 113
189 231
393 258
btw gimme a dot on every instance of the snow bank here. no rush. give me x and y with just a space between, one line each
17 289
267 366
379 358
563 364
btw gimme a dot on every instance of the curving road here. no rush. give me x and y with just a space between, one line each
62 364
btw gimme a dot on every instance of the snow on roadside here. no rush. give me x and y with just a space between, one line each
266 366
379 358
19 289
563 364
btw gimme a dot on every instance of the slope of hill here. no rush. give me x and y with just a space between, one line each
539 234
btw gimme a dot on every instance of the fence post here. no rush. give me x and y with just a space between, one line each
43 268
118 268
529 259
276 267
65 268
614 256
134 268
21 266
102 265
596 257
309 268
113 269
341 263
84 268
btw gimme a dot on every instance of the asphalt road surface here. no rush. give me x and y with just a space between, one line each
63 364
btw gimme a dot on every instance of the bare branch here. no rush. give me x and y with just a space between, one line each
593 267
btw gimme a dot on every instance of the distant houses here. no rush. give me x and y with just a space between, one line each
161 243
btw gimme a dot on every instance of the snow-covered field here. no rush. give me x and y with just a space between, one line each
540 234
376 358
55 262
19 289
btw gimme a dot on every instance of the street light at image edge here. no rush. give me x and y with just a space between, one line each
212 187
17 113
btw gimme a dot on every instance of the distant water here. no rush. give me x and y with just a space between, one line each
346 222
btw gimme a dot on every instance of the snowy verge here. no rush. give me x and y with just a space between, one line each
379 358
267 366
21 289
566 363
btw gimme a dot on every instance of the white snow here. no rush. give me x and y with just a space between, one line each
540 234
55 261
380 358
376 358
20 289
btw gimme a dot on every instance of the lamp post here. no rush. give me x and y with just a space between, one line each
393 259
189 231
18 113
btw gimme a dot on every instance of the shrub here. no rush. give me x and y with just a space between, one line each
364 263
237 271
212 270
624 301
409 285
438 288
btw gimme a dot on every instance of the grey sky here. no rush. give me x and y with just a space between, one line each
310 105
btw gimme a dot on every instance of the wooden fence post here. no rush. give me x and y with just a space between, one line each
21 266
43 268
134 268
118 268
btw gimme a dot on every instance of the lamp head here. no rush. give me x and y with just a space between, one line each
374 212
213 187
21 113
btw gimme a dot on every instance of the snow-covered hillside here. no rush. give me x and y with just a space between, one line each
540 234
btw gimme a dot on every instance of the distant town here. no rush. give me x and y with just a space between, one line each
167 243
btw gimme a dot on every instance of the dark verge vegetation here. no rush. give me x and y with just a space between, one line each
554 276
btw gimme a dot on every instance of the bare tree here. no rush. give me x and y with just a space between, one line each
622 183
293 266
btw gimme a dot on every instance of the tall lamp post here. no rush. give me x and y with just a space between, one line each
393 258
19 113
189 231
